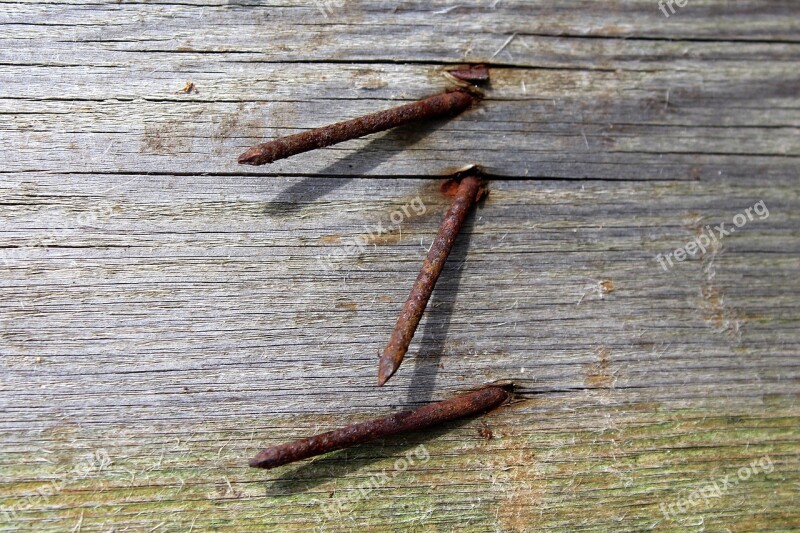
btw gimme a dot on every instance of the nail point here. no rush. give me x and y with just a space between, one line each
386 369
250 157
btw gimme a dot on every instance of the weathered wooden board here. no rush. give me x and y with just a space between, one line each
601 93
164 313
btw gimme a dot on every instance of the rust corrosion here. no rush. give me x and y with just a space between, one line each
441 105
476 74
470 190
476 402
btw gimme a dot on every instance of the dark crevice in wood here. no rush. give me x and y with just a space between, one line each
347 176
646 38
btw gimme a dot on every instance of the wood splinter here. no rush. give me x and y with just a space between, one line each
482 400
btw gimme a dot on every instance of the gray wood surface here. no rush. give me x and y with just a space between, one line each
165 312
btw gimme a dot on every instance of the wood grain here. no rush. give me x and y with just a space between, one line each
165 312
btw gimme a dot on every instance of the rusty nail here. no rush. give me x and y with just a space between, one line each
470 190
444 104
471 73
475 402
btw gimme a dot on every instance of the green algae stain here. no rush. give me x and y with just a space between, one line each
624 468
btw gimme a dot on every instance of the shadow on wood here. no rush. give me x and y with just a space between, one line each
439 311
341 463
288 201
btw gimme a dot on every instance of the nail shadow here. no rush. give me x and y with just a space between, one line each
340 463
293 199
440 312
